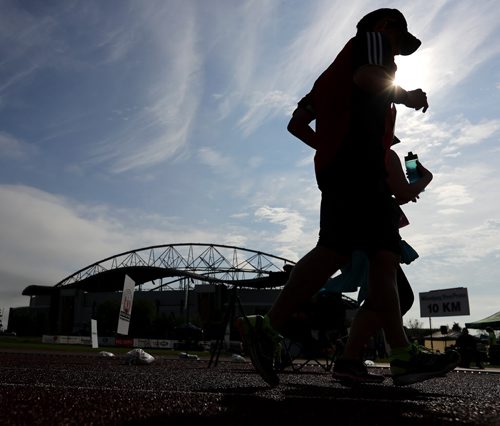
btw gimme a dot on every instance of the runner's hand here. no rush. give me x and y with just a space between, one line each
417 99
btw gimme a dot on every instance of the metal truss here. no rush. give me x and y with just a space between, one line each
195 262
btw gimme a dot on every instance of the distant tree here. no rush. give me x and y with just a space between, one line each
414 324
415 330
456 327
26 322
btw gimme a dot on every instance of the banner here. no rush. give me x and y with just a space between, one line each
126 307
125 342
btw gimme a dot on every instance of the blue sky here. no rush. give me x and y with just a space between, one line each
126 124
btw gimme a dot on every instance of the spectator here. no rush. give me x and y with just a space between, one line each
492 338
467 346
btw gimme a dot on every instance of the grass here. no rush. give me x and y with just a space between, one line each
35 344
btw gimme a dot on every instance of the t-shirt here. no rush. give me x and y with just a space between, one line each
354 128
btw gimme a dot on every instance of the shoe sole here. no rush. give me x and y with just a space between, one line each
409 379
247 334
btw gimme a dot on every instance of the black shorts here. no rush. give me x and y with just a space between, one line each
368 222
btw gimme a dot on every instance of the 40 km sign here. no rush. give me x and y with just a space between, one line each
444 303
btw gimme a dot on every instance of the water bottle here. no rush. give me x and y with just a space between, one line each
411 167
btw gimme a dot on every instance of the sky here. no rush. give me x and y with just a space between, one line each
127 123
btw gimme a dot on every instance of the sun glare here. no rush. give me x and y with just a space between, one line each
412 73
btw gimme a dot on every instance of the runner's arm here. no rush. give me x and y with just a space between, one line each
399 185
300 128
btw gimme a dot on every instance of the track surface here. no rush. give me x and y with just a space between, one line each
55 388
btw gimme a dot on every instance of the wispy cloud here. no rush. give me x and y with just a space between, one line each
445 137
149 142
13 148
36 41
457 220
150 34
218 162
472 134
172 93
263 106
452 195
289 239
291 221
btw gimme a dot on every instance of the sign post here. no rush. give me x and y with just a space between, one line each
444 303
93 330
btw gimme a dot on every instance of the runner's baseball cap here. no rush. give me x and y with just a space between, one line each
409 43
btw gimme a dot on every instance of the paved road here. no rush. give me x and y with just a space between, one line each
55 388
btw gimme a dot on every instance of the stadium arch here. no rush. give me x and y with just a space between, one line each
178 267
204 263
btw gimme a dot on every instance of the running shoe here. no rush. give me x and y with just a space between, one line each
351 372
421 365
262 343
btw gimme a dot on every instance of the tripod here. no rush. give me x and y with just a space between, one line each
228 318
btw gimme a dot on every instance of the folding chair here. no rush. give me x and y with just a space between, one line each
312 334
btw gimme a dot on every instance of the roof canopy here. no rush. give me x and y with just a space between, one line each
112 280
492 321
